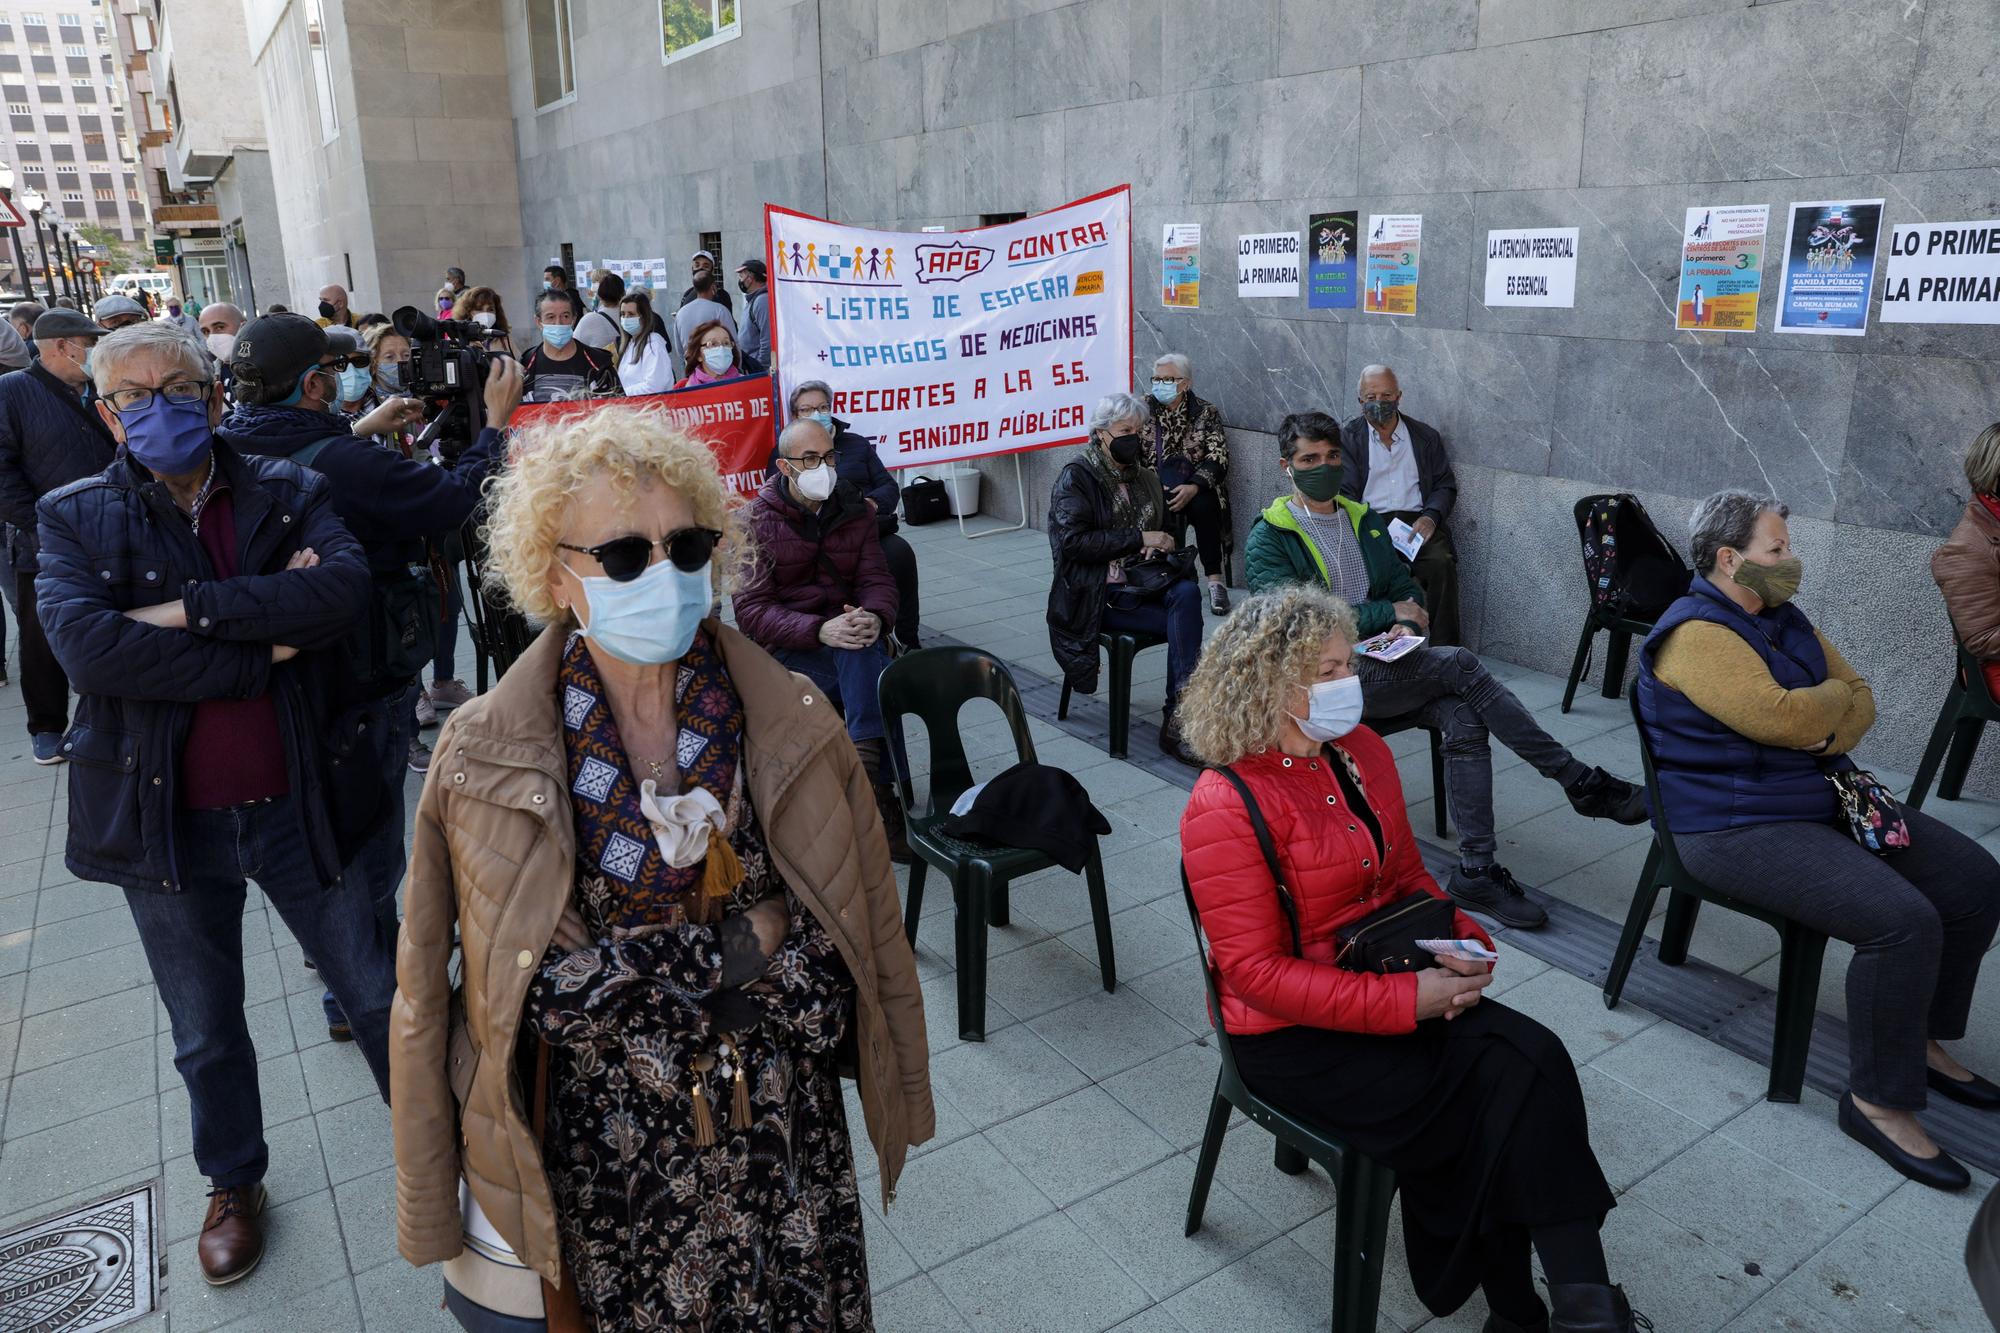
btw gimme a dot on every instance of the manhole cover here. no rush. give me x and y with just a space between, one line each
88 1269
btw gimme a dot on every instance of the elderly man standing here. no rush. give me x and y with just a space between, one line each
219 325
333 306
113 313
1397 466
1191 455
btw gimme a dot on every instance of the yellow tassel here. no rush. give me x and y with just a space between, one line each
704 1121
721 871
739 1102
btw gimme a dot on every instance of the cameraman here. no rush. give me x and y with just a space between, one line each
286 388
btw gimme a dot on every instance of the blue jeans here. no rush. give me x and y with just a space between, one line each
194 945
1175 617
379 863
848 676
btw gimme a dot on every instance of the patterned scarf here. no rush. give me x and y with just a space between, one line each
614 840
1130 507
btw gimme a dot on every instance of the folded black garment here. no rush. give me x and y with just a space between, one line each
1034 806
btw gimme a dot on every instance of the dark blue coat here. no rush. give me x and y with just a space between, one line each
1712 777
856 462
116 541
49 437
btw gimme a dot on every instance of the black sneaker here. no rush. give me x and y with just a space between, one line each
1218 599
1599 795
1493 891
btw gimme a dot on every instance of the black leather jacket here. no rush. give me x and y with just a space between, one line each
1084 543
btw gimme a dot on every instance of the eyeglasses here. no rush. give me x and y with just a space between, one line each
354 360
626 558
180 391
810 461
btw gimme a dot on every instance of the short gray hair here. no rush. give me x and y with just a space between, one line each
792 398
1727 518
796 433
1116 407
1366 371
152 339
1178 360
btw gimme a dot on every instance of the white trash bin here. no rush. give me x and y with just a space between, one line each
962 486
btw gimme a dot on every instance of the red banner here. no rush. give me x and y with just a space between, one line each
733 418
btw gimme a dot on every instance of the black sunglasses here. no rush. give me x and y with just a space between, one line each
626 558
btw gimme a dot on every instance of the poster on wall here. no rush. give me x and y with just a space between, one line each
1829 267
1180 265
1942 273
961 344
1267 264
1394 241
1722 267
1331 263
1531 266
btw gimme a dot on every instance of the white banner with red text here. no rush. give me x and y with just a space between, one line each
949 345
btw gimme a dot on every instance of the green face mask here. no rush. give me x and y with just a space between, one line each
1775 584
1320 483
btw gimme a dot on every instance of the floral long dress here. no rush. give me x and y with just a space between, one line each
676 1209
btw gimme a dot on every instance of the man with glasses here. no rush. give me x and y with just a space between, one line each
193 594
1398 467
820 598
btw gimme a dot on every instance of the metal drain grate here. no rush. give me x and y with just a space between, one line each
83 1271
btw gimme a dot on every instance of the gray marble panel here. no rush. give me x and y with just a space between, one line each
1288 138
1627 260
1954 100
847 32
1016 165
1933 196
1912 419
1493 398
861 181
967 78
903 25
1073 57
1208 42
877 99
1503 21
1753 95
1330 34
1691 420
1491 119
1142 142
1445 266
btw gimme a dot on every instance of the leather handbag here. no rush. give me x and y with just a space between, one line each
1873 817
925 500
1150 577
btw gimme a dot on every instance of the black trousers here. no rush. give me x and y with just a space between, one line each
903 568
44 687
1205 513
1436 572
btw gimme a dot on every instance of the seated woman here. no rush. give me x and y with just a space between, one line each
1747 708
1107 514
1476 1107
1967 566
677 912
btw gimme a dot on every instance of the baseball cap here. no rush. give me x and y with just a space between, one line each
273 351
113 307
702 254
754 267
60 323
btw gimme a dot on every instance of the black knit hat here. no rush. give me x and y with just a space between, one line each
273 351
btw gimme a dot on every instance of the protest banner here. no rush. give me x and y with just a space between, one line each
733 418
1829 267
959 345
1331 265
1722 267
1180 265
1531 266
1394 241
1267 264
1942 273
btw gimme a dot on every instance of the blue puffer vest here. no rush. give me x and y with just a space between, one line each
1714 778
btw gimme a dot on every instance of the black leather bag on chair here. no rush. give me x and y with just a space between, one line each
1149 578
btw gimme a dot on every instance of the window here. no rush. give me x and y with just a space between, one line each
75 49
35 18
107 196
72 196
49 92
549 52
997 219
18 108
711 241
85 82
322 69
70 20
688 26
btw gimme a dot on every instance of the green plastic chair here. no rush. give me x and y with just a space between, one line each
1363 1188
1389 726
1123 645
935 684
1801 952
1623 630
1968 706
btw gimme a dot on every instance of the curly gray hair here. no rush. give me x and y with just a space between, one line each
1727 518
1114 408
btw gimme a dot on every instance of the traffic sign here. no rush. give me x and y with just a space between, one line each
86 265
10 216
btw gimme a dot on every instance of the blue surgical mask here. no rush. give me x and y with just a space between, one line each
298 392
1333 711
1165 391
353 383
718 359
825 419
629 323
390 373
649 620
168 439
558 335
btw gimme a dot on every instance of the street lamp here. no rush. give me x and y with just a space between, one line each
69 239
20 255
35 201
62 266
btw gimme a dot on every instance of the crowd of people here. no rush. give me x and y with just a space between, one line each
649 917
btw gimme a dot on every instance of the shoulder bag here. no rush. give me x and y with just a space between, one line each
1873 817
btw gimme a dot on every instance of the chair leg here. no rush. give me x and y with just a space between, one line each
913 904
1438 786
1934 752
974 910
1682 909
1643 899
998 910
1582 660
1958 759
1122 652
1614 663
1362 1198
1798 1004
1288 1159
1204 1164
1100 918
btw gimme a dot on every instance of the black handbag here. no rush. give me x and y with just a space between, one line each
1150 577
925 500
1385 940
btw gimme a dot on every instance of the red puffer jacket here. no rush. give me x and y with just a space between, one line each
1336 875
811 566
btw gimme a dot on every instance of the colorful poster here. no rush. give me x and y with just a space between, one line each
962 344
1531 266
1722 267
1267 264
1331 264
1180 265
733 418
1943 273
1394 241
1829 267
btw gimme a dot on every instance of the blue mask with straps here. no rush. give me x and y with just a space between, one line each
298 392
168 439
558 335
630 323
353 383
649 620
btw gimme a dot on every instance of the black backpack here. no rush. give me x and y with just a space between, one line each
1633 572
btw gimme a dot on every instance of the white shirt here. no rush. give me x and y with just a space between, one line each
1393 486
652 372
598 329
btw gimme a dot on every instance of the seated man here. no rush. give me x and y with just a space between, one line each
1315 535
1397 466
820 598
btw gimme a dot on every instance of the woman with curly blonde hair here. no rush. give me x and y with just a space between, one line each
1475 1106
675 903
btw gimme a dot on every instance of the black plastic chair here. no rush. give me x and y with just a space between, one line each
1363 1188
1801 952
1123 645
934 684
1389 726
1968 706
1622 629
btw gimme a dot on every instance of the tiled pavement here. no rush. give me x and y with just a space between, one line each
1053 1195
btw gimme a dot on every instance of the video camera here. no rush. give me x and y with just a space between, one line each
447 370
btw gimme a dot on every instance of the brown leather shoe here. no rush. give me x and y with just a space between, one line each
232 1239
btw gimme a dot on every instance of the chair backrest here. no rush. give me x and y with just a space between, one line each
1209 984
1668 856
934 684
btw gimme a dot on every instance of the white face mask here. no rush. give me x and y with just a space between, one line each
1334 709
718 359
484 318
817 484
221 346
